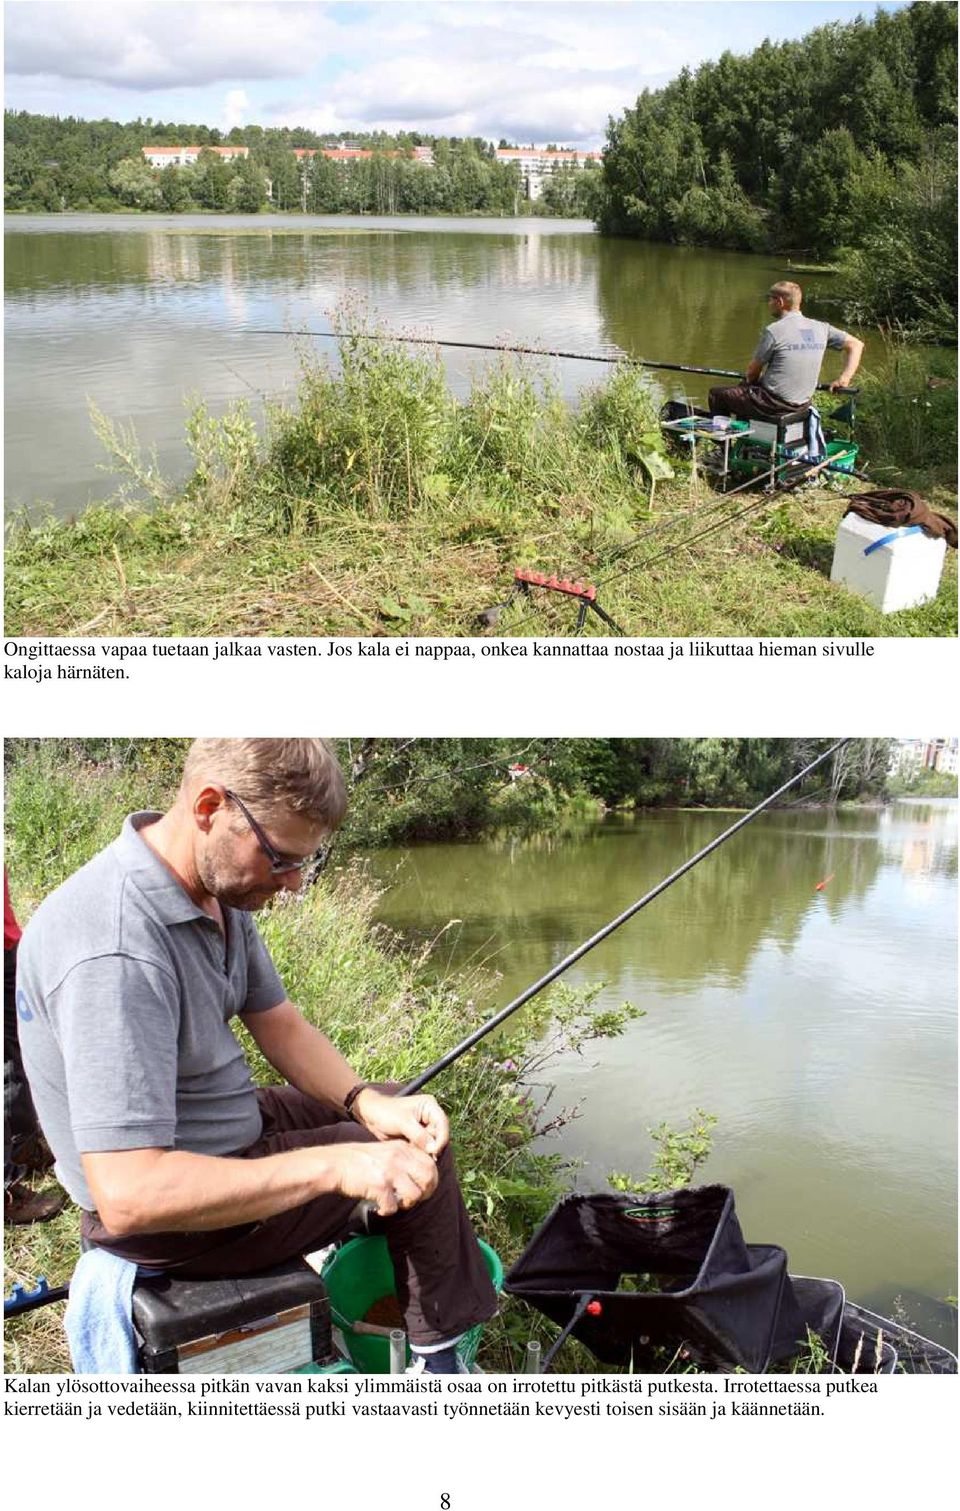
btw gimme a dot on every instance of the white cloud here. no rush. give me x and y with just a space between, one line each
151 46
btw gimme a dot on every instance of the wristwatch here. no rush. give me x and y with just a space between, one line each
351 1097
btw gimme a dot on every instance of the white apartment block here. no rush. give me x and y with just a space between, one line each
536 164
182 157
909 757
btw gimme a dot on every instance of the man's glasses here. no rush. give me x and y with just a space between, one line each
279 864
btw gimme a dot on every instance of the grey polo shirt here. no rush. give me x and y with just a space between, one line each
125 992
792 350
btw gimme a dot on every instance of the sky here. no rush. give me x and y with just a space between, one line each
529 72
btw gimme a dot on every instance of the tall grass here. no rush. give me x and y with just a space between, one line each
907 419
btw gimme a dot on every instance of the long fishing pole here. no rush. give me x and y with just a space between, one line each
529 351
480 1033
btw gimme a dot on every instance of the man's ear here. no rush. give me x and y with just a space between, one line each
207 804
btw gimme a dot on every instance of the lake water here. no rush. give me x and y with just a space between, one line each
142 315
818 1026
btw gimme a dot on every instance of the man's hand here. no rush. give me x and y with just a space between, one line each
392 1174
419 1119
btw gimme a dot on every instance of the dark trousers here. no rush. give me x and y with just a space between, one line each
441 1279
19 1115
750 401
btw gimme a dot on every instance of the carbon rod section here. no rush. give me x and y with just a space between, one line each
595 939
528 351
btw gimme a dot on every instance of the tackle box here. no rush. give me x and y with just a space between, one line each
271 1323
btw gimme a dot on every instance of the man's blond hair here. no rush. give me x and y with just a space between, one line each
273 776
792 292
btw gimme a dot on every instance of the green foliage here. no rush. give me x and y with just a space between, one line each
924 783
53 164
901 273
907 420
679 1154
843 140
66 799
136 183
373 438
376 501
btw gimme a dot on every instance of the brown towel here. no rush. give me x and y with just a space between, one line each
894 507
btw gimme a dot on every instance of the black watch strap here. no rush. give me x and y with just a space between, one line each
351 1097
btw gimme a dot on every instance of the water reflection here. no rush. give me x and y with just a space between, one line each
710 926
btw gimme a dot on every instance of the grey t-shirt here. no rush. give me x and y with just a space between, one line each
125 991
791 350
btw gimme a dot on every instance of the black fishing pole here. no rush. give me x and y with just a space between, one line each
529 351
480 1033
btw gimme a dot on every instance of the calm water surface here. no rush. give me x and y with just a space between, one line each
144 314
819 1027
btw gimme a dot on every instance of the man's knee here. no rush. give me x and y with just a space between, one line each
718 400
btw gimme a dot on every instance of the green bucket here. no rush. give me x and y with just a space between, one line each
357 1275
842 455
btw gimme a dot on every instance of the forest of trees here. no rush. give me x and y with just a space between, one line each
841 144
54 164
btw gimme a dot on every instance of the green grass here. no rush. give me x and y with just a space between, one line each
380 505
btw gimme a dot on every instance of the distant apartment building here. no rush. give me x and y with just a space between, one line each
182 157
909 757
537 163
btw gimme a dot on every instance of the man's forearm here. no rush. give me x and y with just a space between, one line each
854 351
159 1190
302 1054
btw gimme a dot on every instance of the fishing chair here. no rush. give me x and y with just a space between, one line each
778 438
274 1322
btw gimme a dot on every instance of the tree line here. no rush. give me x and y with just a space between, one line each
404 790
842 144
54 164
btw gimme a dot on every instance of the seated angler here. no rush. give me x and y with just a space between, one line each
785 370
129 976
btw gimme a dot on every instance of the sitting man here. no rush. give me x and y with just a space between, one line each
128 977
785 370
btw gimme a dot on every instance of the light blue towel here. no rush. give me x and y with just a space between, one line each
99 1317
815 439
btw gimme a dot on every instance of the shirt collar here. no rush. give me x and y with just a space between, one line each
151 876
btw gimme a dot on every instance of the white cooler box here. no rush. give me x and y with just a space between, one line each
893 568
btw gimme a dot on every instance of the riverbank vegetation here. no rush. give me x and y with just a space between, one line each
378 503
408 790
840 147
